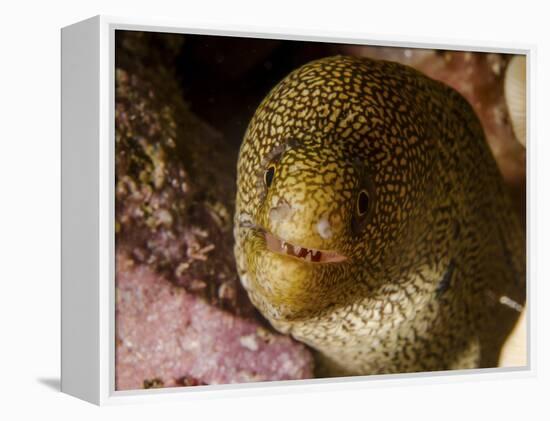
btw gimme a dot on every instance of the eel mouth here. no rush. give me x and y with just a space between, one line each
277 245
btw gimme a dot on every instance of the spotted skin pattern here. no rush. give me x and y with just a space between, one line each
426 264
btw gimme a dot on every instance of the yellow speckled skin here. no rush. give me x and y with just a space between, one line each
429 261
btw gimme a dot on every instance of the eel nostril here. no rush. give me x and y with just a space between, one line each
324 229
279 212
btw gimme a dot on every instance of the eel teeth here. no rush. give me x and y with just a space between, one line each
309 255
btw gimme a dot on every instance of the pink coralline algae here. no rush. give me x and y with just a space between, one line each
167 337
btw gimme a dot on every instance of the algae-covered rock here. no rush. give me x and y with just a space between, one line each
180 307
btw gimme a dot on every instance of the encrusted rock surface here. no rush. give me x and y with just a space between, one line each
169 337
182 317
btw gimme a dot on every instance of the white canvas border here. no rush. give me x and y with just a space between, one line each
106 354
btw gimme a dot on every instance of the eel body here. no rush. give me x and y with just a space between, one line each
372 222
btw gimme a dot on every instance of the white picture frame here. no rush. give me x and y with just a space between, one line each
88 277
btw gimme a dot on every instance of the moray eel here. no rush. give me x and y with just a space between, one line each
372 222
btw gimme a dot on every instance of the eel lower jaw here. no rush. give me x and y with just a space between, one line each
277 245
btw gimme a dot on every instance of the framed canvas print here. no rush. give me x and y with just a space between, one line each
243 211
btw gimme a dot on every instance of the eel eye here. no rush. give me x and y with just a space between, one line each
268 176
362 203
